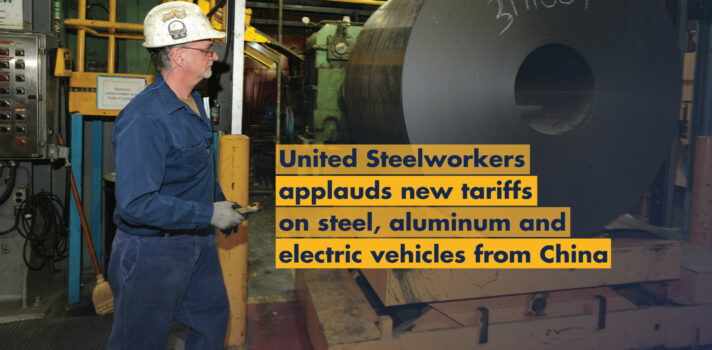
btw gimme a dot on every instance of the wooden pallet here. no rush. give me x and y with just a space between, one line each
633 261
339 316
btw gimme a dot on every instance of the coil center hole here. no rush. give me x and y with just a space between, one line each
554 89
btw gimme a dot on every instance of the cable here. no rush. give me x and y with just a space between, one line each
2 170
40 221
231 31
9 184
164 79
7 193
27 172
89 7
12 228
215 8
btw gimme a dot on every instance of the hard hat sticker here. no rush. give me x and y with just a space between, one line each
180 14
177 30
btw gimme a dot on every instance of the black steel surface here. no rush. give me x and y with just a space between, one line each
444 72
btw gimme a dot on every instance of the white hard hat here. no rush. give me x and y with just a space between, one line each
177 22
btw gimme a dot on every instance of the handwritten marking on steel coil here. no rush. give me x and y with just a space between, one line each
508 17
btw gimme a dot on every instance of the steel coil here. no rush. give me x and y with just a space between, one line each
592 86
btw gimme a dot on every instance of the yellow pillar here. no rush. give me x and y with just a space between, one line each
234 178
81 36
111 54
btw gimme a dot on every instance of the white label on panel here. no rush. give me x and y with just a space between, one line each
11 14
116 92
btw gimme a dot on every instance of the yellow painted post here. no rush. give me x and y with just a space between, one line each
81 36
112 39
234 178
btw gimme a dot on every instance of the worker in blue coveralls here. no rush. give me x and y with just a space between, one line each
164 266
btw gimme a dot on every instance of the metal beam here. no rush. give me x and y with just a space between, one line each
274 22
97 162
238 65
682 12
75 234
362 2
279 72
312 9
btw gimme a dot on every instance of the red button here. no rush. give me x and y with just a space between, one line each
20 142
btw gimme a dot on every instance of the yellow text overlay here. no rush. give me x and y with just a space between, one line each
403 159
453 253
373 222
406 191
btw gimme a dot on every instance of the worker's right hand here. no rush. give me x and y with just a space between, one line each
224 216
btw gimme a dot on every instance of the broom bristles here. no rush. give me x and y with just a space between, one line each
102 297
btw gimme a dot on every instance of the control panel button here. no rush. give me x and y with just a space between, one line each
20 129
19 116
4 51
4 103
4 65
19 77
19 65
20 91
19 52
4 91
4 77
4 116
20 141
4 129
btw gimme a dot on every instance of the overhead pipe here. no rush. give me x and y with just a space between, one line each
106 35
363 2
136 27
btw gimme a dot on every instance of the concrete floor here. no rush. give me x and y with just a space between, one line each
265 283
274 318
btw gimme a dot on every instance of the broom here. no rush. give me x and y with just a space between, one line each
101 295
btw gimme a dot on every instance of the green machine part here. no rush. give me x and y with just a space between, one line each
326 57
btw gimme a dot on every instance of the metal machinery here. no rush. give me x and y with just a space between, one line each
327 53
594 88
28 95
28 118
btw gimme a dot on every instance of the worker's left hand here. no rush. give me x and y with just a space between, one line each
224 217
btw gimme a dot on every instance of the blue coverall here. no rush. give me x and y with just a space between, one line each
164 265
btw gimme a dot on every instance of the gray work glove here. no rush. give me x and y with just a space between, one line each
224 216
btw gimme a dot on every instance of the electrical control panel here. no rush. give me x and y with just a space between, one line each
29 110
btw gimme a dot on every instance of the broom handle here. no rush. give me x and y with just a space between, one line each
80 209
